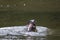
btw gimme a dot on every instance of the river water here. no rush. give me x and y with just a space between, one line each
19 33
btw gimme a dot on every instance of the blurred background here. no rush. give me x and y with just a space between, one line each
18 12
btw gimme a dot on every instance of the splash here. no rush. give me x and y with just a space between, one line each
22 31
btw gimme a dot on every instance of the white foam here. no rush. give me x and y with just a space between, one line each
22 30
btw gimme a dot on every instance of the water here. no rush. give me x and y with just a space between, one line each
20 33
26 38
50 20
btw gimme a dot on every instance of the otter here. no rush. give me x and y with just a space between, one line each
31 26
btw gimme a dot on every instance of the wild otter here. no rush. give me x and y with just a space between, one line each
32 26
